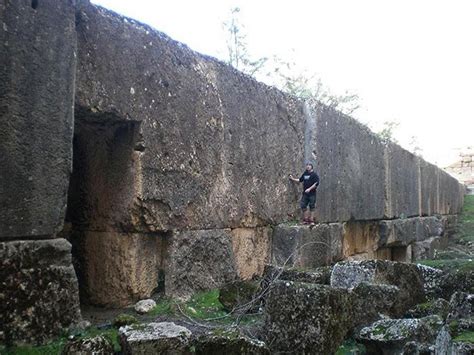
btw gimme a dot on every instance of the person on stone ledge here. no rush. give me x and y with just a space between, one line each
310 182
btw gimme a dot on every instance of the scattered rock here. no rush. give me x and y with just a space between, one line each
431 280
461 306
407 277
371 302
301 317
153 338
390 335
236 296
439 307
229 342
95 345
124 319
460 280
145 306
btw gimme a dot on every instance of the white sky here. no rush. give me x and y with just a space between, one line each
409 60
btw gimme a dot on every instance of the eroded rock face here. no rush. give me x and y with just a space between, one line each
407 277
37 70
320 275
240 296
154 338
461 305
199 260
117 269
307 318
95 345
38 290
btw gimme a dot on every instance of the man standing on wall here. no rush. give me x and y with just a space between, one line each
310 182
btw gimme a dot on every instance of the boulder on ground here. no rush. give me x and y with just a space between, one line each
95 345
307 318
461 306
144 306
320 275
229 342
154 338
452 281
407 277
240 296
389 336
431 280
371 302
438 306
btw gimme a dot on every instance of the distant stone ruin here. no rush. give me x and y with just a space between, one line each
139 165
463 169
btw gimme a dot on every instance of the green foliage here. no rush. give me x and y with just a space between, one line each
205 305
466 337
386 134
163 307
349 347
124 319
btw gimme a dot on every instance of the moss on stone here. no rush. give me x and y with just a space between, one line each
124 319
350 347
465 337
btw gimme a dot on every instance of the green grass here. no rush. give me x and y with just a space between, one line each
203 306
466 337
449 264
55 347
466 219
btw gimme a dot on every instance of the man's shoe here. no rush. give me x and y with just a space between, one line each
305 221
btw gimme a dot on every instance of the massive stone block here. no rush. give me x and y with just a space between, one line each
305 247
402 186
117 269
252 250
429 186
39 295
349 160
37 66
216 146
451 194
198 260
304 318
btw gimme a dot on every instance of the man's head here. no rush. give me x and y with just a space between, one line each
309 167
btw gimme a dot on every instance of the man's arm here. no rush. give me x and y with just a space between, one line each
311 188
292 178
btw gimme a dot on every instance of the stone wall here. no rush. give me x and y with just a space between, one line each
180 166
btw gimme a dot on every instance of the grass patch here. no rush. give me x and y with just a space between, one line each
349 347
164 307
449 264
55 347
465 337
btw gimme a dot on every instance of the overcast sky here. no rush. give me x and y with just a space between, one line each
410 61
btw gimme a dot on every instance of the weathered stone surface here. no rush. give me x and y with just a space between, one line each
307 318
240 296
305 247
360 239
117 269
438 307
96 345
371 302
228 342
432 278
37 69
154 338
38 290
459 280
426 249
320 275
399 232
199 260
461 305
402 185
210 134
451 194
144 306
429 188
351 167
389 336
407 277
252 250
